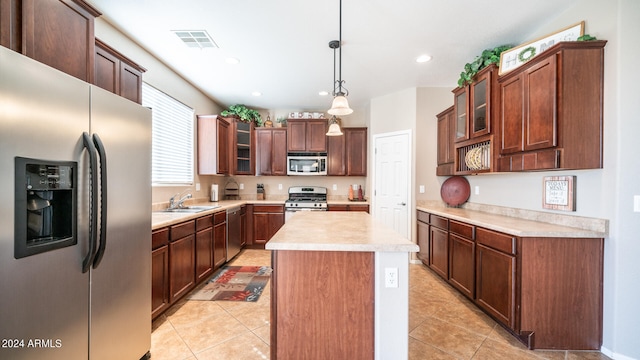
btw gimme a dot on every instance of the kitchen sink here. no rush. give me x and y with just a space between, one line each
191 209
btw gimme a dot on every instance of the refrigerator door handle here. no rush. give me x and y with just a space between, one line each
93 190
103 200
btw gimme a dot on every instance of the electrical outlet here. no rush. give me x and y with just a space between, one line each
421 189
636 203
335 186
197 186
241 186
477 190
391 277
279 186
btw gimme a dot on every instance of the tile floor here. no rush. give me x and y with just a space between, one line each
443 325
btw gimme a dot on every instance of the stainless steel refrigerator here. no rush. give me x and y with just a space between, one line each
75 217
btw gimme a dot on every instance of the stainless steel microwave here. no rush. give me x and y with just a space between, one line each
307 164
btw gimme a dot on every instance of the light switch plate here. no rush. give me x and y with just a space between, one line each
335 186
197 186
421 189
279 186
636 203
241 186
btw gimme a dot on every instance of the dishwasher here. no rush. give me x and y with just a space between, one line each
234 231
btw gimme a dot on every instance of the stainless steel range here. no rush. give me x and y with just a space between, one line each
305 198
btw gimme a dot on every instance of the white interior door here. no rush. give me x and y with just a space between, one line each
392 178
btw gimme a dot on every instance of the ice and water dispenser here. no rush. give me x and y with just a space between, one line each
45 205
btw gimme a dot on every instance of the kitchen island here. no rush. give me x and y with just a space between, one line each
329 299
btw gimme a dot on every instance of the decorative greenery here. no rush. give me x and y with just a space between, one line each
282 120
488 57
245 114
527 54
586 37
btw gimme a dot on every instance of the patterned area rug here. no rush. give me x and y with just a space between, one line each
235 283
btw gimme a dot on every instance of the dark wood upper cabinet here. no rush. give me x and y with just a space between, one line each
243 144
336 148
117 73
59 33
306 135
475 111
347 154
446 137
213 145
356 155
552 110
271 151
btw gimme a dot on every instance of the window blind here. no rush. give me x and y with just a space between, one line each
172 138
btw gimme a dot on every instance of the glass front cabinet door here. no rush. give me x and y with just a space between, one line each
480 105
460 104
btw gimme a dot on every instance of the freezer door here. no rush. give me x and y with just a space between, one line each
121 283
43 297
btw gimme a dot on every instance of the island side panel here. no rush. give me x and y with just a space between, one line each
322 305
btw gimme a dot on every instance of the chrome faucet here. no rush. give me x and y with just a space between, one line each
173 204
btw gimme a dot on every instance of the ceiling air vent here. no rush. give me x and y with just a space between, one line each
196 39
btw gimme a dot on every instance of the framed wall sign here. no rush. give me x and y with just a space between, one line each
511 59
558 193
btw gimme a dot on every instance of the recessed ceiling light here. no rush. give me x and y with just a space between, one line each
256 93
232 61
199 39
323 93
423 58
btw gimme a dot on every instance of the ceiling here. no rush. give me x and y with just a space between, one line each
282 45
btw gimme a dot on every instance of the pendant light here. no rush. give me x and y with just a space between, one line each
334 127
340 105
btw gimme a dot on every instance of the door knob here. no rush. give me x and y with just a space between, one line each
402 204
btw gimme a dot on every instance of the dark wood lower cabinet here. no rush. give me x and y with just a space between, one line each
546 291
267 220
181 266
423 241
461 264
495 284
204 252
348 207
439 251
219 239
159 280
184 255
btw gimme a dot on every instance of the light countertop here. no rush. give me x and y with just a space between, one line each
338 231
161 219
574 227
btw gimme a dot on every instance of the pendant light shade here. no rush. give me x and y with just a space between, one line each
334 127
340 106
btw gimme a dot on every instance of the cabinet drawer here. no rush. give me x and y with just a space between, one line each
159 238
181 230
423 216
219 217
204 222
462 229
439 221
502 242
268 208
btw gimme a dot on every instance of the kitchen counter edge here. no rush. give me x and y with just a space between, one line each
510 225
161 219
338 231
